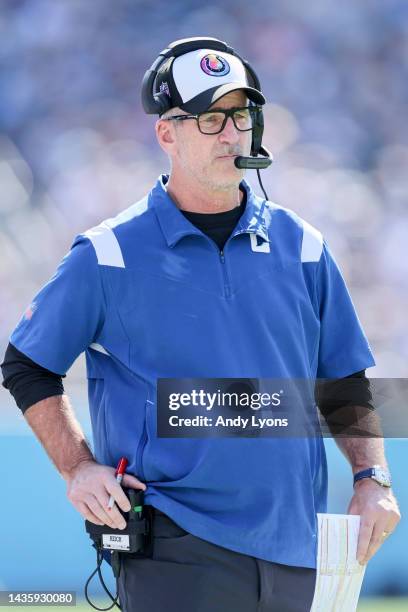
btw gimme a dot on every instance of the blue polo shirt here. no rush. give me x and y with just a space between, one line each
147 295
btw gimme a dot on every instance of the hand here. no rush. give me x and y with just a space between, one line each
379 513
89 487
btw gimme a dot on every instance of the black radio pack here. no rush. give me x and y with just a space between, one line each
133 541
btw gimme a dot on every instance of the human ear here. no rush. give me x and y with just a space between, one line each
166 135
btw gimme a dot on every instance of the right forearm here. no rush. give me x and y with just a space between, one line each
55 425
89 483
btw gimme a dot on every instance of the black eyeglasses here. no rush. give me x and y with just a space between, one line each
213 122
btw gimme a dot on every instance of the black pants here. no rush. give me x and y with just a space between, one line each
188 574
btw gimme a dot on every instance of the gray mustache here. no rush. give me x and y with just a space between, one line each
231 153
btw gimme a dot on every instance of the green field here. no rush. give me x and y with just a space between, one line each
383 605
366 605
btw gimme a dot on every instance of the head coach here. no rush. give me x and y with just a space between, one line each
201 278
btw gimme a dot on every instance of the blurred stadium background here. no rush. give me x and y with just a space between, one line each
75 148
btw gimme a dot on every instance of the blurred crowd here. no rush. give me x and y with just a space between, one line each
76 147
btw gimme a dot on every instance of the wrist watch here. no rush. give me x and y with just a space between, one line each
377 473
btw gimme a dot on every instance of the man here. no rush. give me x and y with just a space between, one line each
200 279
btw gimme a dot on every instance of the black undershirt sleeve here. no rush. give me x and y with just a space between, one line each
27 381
352 390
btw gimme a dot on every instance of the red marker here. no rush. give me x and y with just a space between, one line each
120 470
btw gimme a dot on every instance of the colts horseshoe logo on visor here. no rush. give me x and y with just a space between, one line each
214 65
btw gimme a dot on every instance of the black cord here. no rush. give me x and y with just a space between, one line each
260 182
114 599
99 559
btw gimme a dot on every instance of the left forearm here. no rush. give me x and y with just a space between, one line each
363 453
366 447
358 434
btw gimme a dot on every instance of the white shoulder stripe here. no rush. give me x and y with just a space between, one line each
312 243
129 213
106 246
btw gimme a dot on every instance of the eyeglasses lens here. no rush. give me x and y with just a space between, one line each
211 122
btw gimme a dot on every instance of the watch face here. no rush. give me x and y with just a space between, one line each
382 477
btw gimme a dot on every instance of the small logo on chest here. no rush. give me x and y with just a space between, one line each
259 245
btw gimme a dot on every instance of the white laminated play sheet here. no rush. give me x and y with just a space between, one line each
339 574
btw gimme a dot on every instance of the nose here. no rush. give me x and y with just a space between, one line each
230 132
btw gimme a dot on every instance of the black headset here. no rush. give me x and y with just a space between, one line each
159 103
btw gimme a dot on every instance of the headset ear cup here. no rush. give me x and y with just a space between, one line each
162 102
154 103
148 102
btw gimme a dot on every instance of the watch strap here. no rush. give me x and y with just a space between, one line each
368 473
377 473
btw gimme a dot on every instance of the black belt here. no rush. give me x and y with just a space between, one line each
162 525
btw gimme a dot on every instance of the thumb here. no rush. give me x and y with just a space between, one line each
132 482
